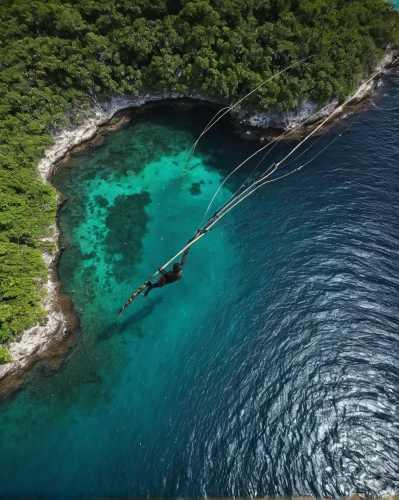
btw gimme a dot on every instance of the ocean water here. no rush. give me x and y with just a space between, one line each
272 368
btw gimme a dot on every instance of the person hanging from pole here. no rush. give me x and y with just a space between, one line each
168 277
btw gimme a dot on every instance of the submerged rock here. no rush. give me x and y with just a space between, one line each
195 189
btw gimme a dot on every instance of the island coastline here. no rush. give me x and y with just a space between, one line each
52 339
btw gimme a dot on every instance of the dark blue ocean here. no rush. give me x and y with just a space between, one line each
272 368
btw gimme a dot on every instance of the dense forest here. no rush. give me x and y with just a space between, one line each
55 56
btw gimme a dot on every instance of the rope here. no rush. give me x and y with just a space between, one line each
336 111
226 110
275 141
278 164
383 109
208 126
259 184
307 149
266 214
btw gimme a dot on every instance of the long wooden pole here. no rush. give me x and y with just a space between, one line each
144 285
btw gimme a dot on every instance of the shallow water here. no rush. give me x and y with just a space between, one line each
272 368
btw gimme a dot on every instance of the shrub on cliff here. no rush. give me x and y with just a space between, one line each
56 55
5 356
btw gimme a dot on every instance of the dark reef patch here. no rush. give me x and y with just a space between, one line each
128 212
101 201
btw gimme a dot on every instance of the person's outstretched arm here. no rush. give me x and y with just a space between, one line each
162 271
183 260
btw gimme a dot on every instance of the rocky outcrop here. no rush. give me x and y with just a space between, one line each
287 120
49 340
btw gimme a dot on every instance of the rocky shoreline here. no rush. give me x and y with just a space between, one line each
51 340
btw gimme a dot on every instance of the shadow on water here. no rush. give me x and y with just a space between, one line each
125 327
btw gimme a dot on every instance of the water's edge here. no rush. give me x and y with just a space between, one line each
51 340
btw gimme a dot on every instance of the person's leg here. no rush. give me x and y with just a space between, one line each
150 287
159 284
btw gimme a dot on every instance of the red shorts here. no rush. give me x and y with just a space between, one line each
161 281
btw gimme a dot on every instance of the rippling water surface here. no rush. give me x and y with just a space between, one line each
271 369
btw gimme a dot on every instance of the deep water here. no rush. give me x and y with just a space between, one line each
272 368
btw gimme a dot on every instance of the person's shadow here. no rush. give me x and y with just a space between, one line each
122 327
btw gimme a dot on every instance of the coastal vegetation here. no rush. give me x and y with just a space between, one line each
57 57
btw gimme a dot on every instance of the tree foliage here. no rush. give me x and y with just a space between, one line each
54 54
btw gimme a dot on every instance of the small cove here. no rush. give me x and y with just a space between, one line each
254 374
